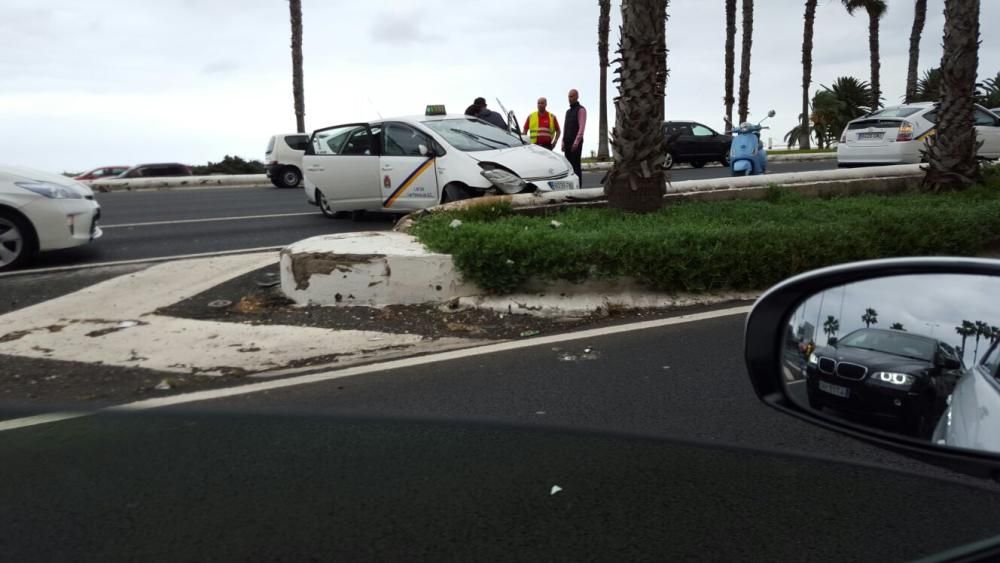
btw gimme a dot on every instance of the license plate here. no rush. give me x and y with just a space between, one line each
842 392
871 136
561 185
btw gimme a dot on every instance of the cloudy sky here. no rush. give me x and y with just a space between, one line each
126 81
932 305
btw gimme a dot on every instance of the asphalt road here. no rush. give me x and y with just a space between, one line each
460 458
156 224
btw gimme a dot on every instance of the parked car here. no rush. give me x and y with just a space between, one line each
40 211
884 373
283 159
102 173
896 135
407 163
694 143
156 171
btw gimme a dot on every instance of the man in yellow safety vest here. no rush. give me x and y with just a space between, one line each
543 126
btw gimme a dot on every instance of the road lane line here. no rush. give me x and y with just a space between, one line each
199 396
139 261
207 220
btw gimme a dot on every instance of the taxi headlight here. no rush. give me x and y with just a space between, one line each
49 189
505 181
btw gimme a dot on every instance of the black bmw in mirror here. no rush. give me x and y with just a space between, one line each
901 352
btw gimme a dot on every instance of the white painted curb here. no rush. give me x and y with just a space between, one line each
811 157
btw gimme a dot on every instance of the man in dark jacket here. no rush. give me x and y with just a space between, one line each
488 115
573 128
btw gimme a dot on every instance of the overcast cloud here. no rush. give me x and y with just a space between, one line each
127 81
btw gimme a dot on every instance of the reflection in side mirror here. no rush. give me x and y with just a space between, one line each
910 355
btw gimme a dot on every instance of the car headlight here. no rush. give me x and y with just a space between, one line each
507 182
813 359
893 378
49 189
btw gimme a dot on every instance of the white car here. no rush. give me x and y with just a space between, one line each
283 159
896 135
409 163
40 211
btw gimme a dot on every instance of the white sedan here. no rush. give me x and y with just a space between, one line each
896 135
40 211
409 163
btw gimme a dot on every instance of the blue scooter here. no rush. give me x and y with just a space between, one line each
747 156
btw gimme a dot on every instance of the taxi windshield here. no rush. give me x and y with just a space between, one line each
469 134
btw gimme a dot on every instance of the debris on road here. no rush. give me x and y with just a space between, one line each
555 224
455 224
220 304
555 489
530 333
164 386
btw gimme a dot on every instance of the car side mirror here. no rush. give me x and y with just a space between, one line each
881 389
424 150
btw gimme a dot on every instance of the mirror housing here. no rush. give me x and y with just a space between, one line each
767 326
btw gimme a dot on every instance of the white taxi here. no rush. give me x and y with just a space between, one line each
896 135
403 164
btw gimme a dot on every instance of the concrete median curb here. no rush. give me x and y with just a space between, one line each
810 157
182 182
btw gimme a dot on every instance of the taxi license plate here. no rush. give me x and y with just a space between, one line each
842 392
561 185
871 136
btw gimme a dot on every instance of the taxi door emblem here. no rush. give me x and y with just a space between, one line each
387 182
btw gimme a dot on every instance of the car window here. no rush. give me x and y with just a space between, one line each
895 112
403 140
334 141
931 116
892 343
985 119
295 142
701 131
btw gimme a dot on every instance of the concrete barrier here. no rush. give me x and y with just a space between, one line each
181 182
810 157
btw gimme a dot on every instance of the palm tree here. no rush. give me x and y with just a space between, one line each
870 317
636 181
295 7
875 9
965 330
897 326
795 134
745 62
728 99
951 153
661 63
807 47
919 17
603 27
982 330
852 97
989 92
831 326
994 334
826 117
928 87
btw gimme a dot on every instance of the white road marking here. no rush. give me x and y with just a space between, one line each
140 261
373 368
207 220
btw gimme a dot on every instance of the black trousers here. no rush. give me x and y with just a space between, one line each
574 156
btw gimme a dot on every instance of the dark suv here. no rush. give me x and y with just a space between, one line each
697 144
156 171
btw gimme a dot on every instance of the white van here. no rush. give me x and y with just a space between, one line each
283 159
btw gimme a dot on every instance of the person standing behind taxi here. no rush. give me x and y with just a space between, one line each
542 126
574 126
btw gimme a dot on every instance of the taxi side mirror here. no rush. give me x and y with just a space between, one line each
424 151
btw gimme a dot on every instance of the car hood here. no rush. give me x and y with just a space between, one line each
19 174
875 361
530 162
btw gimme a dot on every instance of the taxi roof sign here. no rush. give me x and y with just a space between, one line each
435 110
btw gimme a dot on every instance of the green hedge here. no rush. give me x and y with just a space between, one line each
711 246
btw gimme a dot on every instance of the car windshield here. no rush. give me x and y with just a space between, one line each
894 343
471 134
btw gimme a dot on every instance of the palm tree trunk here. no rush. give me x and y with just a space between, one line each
661 64
603 28
295 7
873 25
745 62
807 47
919 16
951 155
636 180
729 100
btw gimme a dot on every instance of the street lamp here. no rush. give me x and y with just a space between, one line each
932 325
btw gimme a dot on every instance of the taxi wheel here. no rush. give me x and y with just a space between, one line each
17 241
324 205
454 192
